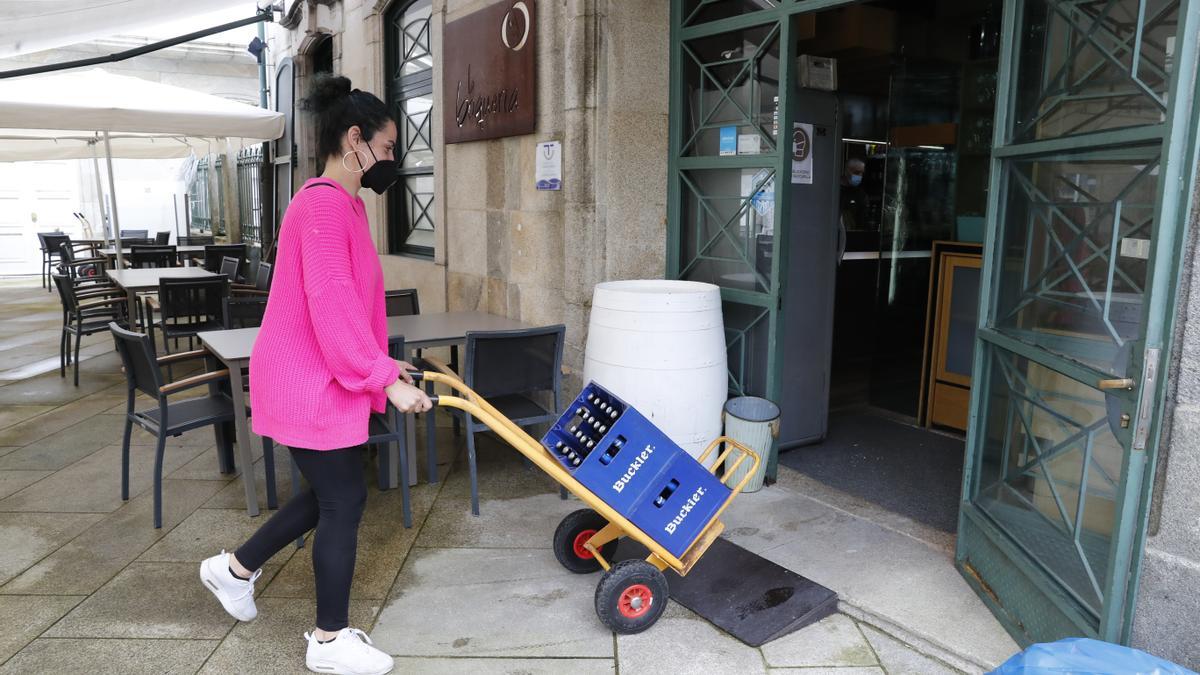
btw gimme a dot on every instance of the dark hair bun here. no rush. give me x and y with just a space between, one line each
326 92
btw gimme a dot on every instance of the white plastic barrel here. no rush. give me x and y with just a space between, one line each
660 346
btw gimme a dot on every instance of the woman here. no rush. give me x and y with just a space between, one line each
320 367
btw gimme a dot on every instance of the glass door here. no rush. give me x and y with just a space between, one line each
1080 265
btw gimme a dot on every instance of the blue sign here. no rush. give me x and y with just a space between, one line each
728 141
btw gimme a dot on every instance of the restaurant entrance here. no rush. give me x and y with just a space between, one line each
999 271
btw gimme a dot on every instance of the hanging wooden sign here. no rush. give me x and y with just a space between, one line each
488 81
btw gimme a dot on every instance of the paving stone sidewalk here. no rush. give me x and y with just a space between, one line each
88 585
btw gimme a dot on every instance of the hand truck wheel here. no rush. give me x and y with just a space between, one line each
572 533
631 596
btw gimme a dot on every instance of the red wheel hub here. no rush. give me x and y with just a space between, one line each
635 601
581 539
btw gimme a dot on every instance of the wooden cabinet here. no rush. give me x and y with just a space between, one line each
950 334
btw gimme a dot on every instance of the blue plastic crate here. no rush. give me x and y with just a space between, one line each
635 468
682 500
627 453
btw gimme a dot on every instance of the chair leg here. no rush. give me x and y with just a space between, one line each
78 339
62 353
454 421
224 441
269 469
158 462
125 458
400 424
471 468
431 438
383 462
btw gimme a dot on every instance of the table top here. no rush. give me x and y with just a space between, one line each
422 330
418 330
146 279
125 250
230 345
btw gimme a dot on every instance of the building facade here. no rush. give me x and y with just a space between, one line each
1051 143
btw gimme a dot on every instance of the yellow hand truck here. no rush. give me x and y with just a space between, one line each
632 594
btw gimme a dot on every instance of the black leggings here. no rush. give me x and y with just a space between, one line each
334 505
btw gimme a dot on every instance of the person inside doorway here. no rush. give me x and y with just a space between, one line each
320 366
853 196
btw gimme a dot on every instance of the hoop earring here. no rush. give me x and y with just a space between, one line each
361 163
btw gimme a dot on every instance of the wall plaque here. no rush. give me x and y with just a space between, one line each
488 80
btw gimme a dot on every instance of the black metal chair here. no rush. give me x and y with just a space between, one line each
214 255
137 241
187 306
402 302
170 417
197 240
51 253
229 267
512 370
85 312
244 311
134 234
262 276
81 269
162 238
153 256
384 430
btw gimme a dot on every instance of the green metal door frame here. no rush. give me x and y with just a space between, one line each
1176 137
779 161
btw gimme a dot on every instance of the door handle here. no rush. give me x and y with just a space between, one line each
1122 383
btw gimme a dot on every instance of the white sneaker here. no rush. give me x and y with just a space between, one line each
350 653
236 595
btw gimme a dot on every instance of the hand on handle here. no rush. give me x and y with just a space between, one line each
405 367
407 398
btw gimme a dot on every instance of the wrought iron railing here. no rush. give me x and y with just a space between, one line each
250 197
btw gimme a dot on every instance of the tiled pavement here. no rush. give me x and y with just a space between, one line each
87 584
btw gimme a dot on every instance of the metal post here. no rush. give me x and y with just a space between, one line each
112 190
105 229
262 68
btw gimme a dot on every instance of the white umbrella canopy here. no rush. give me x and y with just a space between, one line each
53 113
70 114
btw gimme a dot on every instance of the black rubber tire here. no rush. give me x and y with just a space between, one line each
626 575
568 530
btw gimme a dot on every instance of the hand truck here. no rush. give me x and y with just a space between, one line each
632 594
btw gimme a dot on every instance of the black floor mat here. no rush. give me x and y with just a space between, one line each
747 596
906 469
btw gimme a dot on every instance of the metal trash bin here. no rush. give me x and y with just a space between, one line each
754 422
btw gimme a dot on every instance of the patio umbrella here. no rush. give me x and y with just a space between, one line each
69 115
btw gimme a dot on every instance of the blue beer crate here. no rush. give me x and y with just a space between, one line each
682 500
629 462
627 451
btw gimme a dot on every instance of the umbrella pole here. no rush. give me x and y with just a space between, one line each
112 190
105 230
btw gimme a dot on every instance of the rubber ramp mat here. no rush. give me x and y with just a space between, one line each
747 596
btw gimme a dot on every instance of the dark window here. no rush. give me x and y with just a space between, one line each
410 95
322 56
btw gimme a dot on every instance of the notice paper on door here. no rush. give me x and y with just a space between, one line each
802 159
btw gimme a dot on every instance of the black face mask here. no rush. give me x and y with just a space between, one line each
381 175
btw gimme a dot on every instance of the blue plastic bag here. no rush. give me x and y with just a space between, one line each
1091 657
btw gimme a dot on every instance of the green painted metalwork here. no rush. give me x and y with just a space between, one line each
1086 212
705 226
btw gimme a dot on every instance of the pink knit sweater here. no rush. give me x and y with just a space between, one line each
320 362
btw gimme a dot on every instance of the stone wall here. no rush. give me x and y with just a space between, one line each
502 246
1168 604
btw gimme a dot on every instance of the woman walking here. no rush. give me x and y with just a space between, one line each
319 368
